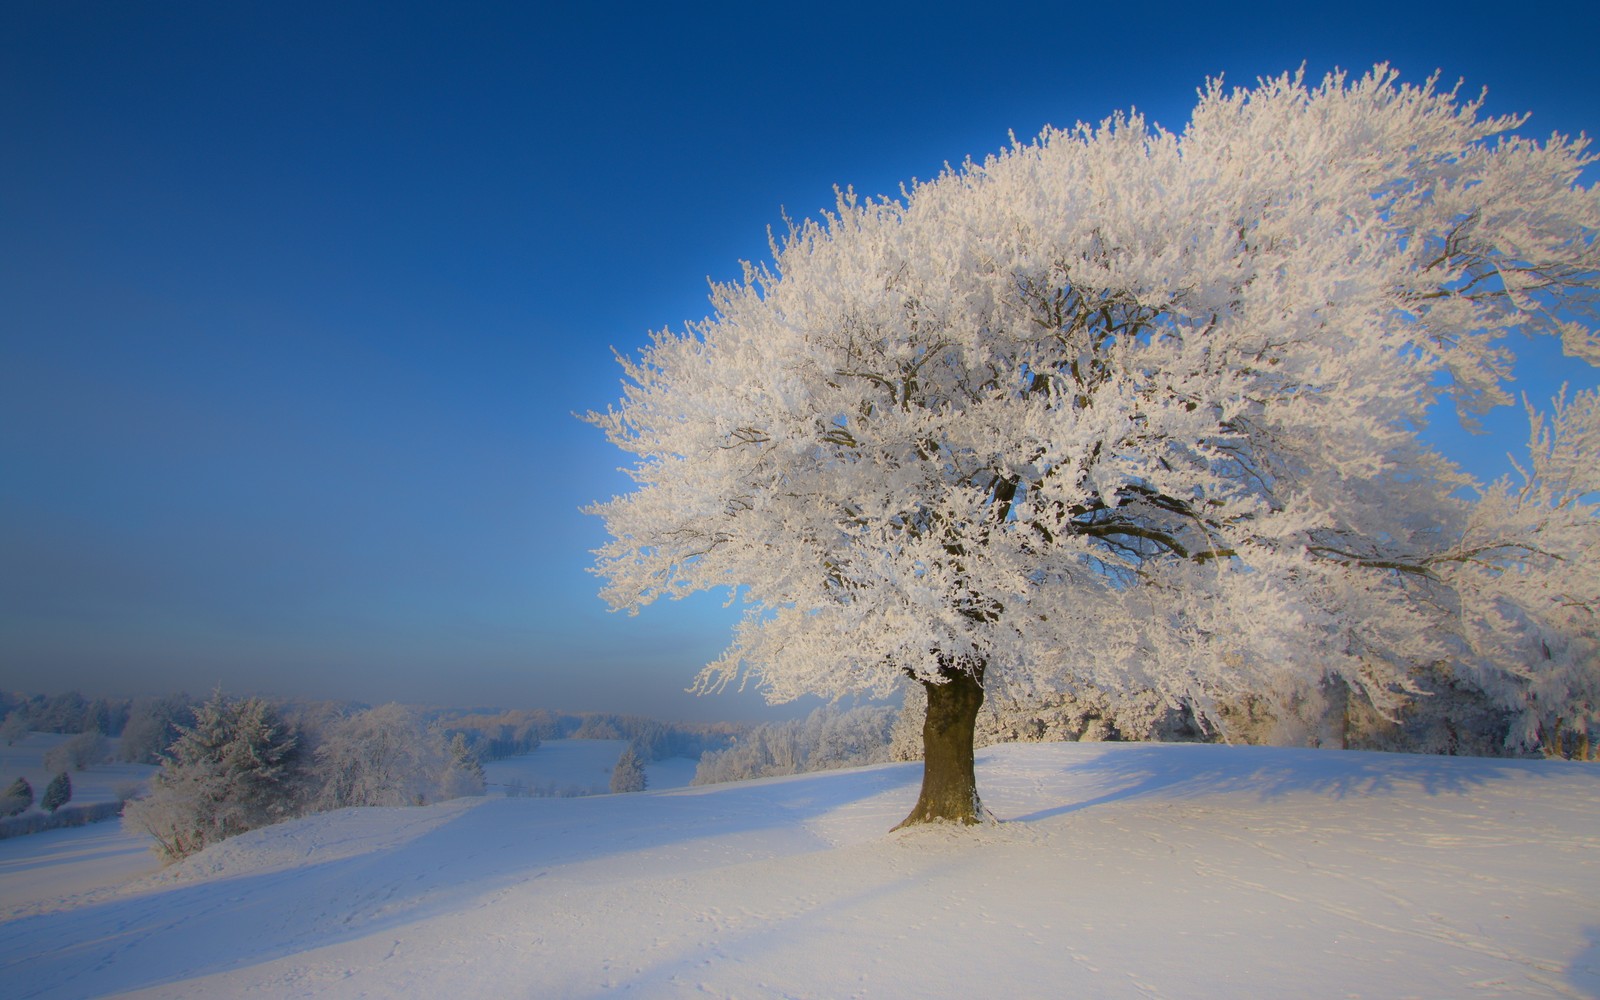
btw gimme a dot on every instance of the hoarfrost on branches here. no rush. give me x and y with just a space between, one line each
388 756
1140 410
237 768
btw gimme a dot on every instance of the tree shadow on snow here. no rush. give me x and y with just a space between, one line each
1583 974
221 923
1132 771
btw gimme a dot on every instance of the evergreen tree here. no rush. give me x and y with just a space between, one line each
58 793
464 775
235 769
17 798
628 775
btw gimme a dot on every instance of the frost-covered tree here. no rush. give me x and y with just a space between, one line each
828 738
78 753
849 738
1135 409
237 768
387 756
1086 715
1529 616
15 726
57 794
628 775
67 712
153 723
463 770
17 798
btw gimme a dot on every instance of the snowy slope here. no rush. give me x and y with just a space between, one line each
1121 871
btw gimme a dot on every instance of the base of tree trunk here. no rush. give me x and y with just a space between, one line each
949 784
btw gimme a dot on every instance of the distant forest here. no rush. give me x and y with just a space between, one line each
147 726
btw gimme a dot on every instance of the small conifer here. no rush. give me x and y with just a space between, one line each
628 775
58 793
17 798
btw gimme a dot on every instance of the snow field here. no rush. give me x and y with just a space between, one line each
99 783
51 870
576 767
1122 870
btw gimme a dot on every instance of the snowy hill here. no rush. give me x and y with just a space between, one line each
1122 870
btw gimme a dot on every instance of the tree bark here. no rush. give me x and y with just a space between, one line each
949 785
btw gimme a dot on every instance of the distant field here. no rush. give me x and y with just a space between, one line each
559 767
576 767
100 783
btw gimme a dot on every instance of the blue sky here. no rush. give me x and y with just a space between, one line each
298 300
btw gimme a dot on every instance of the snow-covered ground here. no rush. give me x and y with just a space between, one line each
576 767
53 869
1121 870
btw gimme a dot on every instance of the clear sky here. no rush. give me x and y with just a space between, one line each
298 300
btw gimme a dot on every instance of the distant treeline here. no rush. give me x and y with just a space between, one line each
147 726
496 734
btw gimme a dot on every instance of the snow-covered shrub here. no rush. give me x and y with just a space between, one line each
66 816
237 768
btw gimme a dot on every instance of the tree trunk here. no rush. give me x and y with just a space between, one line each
949 786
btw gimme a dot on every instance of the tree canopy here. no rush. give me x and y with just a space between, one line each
1141 409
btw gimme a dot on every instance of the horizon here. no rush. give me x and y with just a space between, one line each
298 306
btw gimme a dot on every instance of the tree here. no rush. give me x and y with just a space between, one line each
78 753
628 775
237 768
15 726
58 793
463 773
65 713
1135 410
153 723
387 756
16 799
827 738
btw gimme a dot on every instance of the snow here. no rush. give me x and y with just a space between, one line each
44 871
1120 870
576 767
